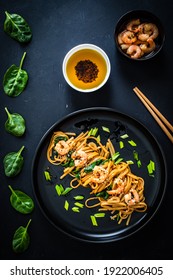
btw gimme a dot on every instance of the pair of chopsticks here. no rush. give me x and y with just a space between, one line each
160 119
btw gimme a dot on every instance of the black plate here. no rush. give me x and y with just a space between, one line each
79 224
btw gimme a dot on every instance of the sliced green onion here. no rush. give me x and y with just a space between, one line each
47 175
66 191
151 167
118 160
98 138
66 205
78 204
106 129
152 164
130 161
59 189
135 155
121 143
79 197
93 131
132 143
115 156
99 215
75 209
124 136
93 220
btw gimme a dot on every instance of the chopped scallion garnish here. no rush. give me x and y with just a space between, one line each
132 143
130 161
75 209
135 155
98 138
59 189
124 136
47 175
78 204
118 160
106 129
93 131
151 168
93 220
121 143
152 164
79 197
66 205
99 215
115 156
66 191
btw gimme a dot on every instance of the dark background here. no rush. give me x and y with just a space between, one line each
57 27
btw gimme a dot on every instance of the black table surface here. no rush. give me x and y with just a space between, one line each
58 26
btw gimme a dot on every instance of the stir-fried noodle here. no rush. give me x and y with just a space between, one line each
113 186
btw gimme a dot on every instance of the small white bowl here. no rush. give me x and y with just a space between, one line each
82 53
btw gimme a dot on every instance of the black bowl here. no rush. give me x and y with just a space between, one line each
144 16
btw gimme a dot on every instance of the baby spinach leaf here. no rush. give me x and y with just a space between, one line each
90 167
15 79
21 239
17 27
21 202
15 124
13 163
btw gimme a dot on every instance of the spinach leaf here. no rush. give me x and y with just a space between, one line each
15 124
17 27
59 138
15 79
13 163
90 167
103 194
21 202
21 239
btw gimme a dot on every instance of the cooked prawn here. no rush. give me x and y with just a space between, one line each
128 37
62 147
118 186
143 36
134 51
152 30
120 41
133 25
132 197
125 46
148 46
99 174
80 158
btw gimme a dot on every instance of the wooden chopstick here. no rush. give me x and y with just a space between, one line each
160 119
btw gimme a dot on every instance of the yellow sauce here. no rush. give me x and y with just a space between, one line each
93 56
